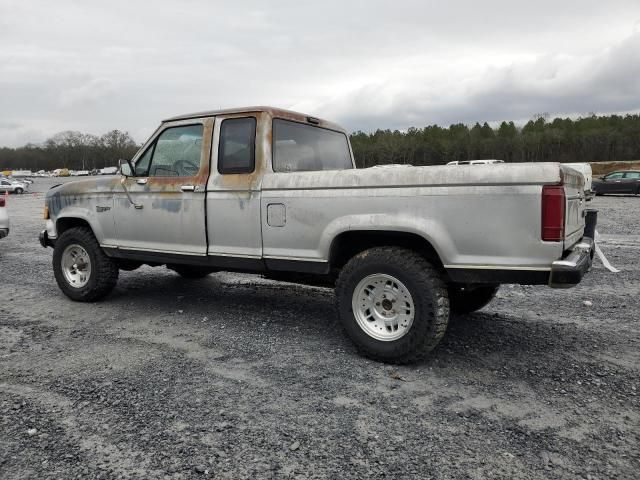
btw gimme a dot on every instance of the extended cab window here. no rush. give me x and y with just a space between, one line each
298 147
176 153
237 149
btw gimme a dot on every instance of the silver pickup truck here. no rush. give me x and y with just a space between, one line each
276 192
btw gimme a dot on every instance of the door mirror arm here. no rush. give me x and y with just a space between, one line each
124 187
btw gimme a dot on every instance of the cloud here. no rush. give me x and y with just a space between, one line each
95 66
9 125
604 82
94 91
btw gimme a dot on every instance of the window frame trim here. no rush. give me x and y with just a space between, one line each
273 144
253 150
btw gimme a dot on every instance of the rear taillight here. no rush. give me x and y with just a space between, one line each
553 201
3 201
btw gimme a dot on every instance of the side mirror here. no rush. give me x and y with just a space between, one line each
126 168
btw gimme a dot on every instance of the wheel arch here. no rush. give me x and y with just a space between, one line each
65 223
349 243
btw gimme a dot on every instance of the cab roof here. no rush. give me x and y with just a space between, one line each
272 111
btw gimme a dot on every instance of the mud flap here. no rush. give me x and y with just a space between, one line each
601 256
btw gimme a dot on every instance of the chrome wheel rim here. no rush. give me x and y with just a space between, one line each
383 307
76 266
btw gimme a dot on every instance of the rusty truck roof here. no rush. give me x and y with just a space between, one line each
272 111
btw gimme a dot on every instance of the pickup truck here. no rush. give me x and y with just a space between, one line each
270 191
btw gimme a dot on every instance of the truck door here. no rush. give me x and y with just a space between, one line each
161 210
233 192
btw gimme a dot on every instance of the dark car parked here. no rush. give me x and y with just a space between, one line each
625 181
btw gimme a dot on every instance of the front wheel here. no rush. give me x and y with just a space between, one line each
393 304
18 190
83 271
468 299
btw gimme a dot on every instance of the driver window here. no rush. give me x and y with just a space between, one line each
177 152
142 165
615 175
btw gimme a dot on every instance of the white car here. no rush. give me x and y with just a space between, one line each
4 217
12 186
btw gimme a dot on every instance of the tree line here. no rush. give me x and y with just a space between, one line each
72 150
588 139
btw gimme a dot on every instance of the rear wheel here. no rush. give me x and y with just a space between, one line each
393 304
469 299
190 271
82 270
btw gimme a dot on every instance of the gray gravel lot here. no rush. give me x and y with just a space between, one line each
235 376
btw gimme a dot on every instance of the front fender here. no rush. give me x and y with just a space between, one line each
78 213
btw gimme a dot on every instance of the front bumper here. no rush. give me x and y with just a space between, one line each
45 241
569 270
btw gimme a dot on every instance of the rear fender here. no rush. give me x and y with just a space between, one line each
432 231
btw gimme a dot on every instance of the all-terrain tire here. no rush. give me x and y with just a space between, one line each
191 272
104 271
427 290
467 300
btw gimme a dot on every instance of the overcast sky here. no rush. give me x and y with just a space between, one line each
95 66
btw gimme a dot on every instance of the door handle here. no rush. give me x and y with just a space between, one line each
188 188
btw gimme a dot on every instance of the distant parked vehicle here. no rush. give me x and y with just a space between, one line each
4 217
21 173
108 171
12 186
622 181
476 162
82 173
61 172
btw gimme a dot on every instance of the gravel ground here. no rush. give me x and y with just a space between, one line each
235 377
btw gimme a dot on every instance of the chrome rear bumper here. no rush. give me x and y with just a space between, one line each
569 270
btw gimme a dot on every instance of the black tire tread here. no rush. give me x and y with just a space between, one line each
191 272
427 278
462 302
106 270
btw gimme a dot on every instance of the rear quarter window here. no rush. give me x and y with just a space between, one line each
298 147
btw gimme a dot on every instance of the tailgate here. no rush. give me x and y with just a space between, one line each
574 208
